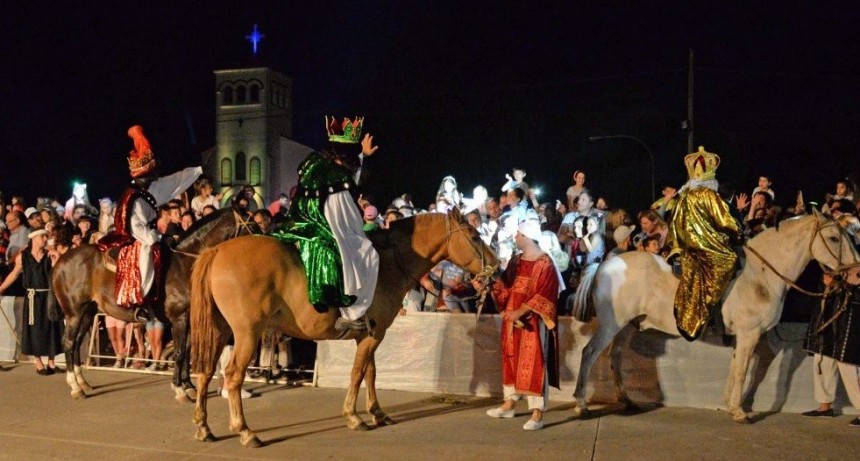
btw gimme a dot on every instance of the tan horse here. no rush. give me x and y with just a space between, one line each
252 283
639 287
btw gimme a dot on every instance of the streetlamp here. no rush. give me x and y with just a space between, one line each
642 143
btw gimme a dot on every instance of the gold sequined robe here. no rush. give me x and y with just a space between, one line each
703 230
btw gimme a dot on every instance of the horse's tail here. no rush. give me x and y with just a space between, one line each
583 302
206 322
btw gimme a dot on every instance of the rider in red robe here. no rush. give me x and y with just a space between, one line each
527 292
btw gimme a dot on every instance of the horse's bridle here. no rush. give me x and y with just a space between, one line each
486 270
240 225
816 233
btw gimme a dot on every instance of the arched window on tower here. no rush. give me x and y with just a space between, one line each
255 171
227 96
254 94
226 172
241 94
240 166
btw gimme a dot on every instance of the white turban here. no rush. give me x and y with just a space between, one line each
531 229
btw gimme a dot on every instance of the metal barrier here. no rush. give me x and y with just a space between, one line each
267 374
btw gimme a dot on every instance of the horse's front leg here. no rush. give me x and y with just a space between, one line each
746 342
362 360
379 416
181 383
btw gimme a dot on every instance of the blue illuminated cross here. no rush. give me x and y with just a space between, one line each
255 38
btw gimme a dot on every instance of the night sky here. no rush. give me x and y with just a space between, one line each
465 88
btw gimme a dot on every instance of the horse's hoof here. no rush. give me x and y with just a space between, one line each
204 436
630 407
86 387
582 411
361 427
385 421
252 442
181 394
79 395
743 420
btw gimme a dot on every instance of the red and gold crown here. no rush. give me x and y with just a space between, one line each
348 131
702 164
141 161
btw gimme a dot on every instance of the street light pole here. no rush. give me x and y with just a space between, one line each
641 143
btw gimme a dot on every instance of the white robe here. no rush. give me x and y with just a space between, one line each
360 259
162 189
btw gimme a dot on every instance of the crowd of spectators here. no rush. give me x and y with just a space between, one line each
577 229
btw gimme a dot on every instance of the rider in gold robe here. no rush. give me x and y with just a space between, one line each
702 234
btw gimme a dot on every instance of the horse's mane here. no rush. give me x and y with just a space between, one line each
381 238
201 227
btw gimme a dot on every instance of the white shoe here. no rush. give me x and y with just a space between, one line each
245 394
532 425
499 413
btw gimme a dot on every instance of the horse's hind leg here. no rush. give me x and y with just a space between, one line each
379 416
234 376
592 350
88 315
622 340
359 368
204 433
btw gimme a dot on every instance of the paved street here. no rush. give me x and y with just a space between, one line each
134 417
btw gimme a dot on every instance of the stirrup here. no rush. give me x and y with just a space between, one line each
343 324
143 314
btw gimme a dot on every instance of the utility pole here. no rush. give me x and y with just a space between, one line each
690 124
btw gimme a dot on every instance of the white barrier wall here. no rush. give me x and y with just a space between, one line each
7 337
446 353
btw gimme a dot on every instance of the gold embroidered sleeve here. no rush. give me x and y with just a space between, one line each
545 292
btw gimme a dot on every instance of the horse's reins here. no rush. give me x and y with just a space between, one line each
817 232
240 225
486 270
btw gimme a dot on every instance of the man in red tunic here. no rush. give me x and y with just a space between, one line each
528 291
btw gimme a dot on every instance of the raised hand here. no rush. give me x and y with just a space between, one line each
669 193
743 201
367 147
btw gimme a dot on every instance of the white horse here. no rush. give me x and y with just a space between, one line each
639 287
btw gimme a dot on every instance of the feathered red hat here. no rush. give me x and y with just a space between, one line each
141 161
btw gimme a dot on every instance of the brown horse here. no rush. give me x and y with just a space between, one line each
253 283
82 285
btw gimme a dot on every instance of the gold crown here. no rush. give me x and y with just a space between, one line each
702 164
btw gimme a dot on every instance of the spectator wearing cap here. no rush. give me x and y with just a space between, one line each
621 236
34 219
370 215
